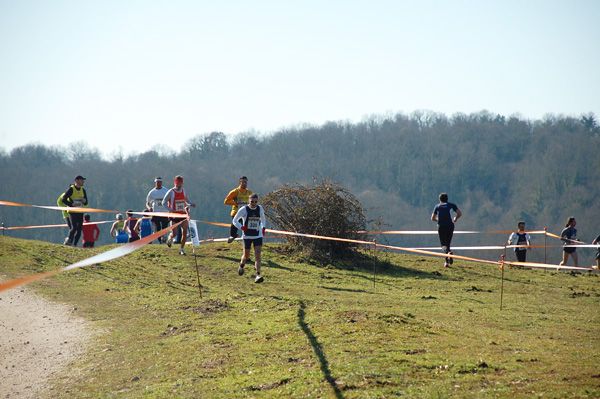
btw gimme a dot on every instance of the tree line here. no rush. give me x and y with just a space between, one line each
497 169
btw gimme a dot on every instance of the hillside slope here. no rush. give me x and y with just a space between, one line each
412 330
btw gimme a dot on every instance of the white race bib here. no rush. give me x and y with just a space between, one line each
180 205
253 223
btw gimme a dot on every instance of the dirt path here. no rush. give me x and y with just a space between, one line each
38 340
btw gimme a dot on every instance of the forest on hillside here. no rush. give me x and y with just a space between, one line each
497 169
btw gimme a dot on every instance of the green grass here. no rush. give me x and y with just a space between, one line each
417 331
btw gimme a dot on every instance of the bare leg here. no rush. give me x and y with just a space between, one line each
245 255
184 229
257 255
564 259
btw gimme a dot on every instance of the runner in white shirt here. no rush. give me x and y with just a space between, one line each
253 227
154 201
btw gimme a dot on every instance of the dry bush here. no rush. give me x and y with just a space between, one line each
324 209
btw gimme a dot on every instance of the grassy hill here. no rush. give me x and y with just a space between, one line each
415 331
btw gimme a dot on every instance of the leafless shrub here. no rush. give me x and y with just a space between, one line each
324 209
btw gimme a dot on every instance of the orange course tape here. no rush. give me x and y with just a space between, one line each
423 232
48 225
91 210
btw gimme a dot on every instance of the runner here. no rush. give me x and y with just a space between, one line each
569 237
65 214
130 226
237 198
253 228
143 227
176 201
520 238
90 231
442 214
75 196
154 201
117 231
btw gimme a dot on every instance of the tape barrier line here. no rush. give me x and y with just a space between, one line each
103 257
317 236
91 210
438 254
48 225
214 223
427 232
547 266
58 208
494 247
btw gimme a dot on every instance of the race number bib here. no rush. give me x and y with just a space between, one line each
78 202
253 223
180 206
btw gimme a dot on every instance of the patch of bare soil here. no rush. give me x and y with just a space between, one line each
38 340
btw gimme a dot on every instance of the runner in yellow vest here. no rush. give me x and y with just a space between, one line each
237 198
75 196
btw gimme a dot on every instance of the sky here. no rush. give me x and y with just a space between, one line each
129 76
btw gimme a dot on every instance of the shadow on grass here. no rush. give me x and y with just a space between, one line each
318 350
344 289
268 263
276 266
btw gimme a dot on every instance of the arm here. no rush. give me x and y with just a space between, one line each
66 197
138 226
96 232
85 200
434 217
149 201
241 214
231 198
563 235
112 230
165 201
126 226
263 220
511 238
458 214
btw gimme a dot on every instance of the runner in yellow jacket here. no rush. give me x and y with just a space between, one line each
237 198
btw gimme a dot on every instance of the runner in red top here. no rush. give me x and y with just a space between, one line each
176 201
90 231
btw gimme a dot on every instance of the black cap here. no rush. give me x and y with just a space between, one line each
79 177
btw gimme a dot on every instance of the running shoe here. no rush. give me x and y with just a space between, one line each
446 264
241 270
67 241
170 241
181 251
230 239
450 260
259 279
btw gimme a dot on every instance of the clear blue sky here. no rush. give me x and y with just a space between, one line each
131 75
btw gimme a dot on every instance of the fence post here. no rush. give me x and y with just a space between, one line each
545 239
374 261
502 286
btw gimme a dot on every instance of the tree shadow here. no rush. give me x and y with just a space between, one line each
318 350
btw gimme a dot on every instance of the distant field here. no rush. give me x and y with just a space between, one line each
412 330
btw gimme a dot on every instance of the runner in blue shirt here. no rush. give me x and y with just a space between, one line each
569 237
442 214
